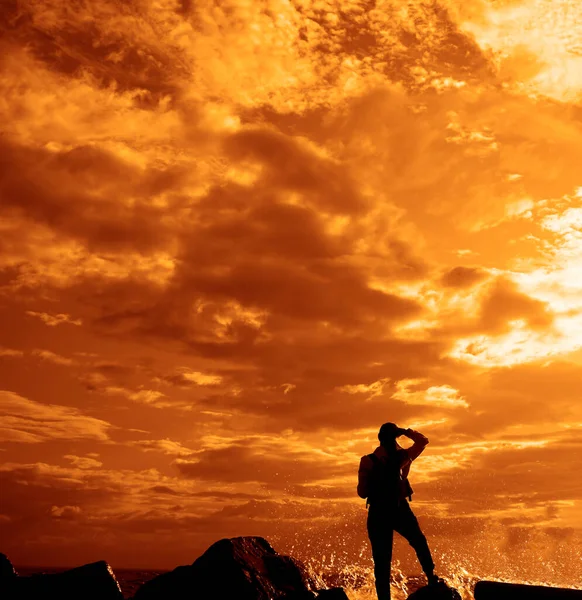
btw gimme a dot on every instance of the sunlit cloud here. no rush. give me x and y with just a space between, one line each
83 462
375 388
52 357
185 377
142 396
29 421
11 352
535 44
54 320
65 512
407 390
166 446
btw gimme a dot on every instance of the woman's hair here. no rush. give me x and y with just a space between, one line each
388 433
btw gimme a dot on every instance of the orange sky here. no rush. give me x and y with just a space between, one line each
237 236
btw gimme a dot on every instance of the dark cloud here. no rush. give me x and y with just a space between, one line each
512 479
291 165
540 394
493 308
504 303
395 39
221 495
103 45
164 489
463 277
246 461
83 194
49 505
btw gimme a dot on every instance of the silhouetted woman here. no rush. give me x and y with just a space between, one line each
383 480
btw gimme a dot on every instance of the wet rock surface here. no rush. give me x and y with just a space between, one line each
332 594
440 591
7 572
94 581
243 568
493 590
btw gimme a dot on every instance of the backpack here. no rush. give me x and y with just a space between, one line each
387 486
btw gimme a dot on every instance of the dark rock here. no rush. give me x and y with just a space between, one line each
441 591
288 575
332 594
242 568
94 581
488 590
7 571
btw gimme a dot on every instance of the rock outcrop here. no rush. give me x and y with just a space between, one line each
242 568
332 594
493 590
94 581
7 572
440 591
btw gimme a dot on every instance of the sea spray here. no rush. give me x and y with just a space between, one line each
464 554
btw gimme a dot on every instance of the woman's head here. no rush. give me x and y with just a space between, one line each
388 433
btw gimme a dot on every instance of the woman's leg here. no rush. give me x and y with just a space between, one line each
407 526
381 536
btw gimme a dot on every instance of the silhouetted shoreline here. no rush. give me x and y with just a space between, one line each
248 568
129 579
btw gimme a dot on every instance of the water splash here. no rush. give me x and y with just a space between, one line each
528 555
358 581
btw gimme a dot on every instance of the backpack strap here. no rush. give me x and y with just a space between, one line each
375 461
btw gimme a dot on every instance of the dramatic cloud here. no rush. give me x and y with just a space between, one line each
277 463
236 238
